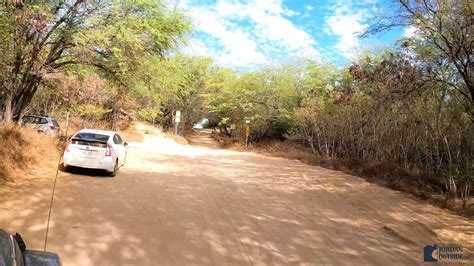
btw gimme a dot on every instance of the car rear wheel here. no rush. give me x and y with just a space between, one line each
114 172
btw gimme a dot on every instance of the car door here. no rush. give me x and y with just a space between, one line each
124 147
42 124
120 148
28 122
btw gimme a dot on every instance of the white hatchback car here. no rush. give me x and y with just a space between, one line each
96 149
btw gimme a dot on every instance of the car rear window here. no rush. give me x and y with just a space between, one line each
92 143
91 137
55 123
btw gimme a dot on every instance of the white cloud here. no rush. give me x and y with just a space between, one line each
309 7
238 47
290 13
346 24
197 47
275 28
250 32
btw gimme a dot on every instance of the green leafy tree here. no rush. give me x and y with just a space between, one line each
39 37
442 45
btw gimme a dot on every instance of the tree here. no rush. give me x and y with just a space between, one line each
162 87
38 37
444 43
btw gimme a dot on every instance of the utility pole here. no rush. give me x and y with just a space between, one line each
232 130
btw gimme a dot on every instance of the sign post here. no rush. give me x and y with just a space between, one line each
177 119
232 129
247 133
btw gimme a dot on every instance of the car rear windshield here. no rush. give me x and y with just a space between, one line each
91 137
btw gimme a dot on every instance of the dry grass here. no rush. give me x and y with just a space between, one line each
23 148
129 132
148 129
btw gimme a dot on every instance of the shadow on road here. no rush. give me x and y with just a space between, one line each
84 171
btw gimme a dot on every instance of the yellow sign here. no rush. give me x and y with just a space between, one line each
247 130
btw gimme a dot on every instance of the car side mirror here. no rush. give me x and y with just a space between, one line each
33 257
125 144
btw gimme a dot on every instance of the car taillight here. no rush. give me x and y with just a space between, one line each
108 151
52 127
67 146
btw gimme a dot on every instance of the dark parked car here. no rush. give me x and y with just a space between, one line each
13 252
41 124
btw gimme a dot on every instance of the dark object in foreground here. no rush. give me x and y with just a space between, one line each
13 252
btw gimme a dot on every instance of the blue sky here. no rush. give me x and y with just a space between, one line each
258 32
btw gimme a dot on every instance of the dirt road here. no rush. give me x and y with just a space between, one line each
181 204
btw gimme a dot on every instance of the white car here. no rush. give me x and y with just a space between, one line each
96 149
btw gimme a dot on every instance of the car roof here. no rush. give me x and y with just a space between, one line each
40 116
97 131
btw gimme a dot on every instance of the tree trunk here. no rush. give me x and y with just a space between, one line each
8 108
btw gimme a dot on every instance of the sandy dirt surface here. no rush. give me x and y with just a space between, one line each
180 204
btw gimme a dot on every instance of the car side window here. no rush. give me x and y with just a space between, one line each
43 121
120 141
29 121
25 120
116 140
